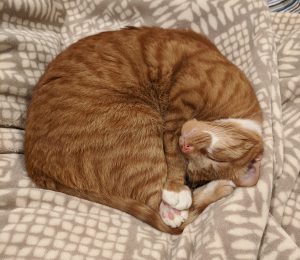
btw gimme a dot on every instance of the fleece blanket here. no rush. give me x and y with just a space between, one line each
261 222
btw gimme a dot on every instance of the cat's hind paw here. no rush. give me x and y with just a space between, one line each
172 217
180 200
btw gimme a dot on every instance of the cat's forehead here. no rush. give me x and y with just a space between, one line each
193 126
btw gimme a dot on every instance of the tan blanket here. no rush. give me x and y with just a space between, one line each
259 222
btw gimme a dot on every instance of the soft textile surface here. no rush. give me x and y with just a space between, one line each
259 222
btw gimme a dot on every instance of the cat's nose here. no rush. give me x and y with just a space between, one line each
185 148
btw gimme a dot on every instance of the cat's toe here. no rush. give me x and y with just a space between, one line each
172 217
225 188
180 200
213 186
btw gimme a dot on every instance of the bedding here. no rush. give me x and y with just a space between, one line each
261 222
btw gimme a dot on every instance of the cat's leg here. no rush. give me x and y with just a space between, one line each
175 193
176 197
184 103
181 108
212 192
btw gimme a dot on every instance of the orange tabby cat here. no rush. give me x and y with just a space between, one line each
104 122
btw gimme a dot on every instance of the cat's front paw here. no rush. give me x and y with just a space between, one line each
172 217
223 188
178 197
215 190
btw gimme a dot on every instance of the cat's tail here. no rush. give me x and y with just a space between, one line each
137 209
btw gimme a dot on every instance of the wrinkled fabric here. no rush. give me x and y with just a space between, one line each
258 222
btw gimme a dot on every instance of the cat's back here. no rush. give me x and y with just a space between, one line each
99 98
128 57
133 66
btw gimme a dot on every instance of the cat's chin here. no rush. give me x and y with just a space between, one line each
251 177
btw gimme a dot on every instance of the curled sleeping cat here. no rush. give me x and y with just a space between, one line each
118 118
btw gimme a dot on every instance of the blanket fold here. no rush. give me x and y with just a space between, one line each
261 222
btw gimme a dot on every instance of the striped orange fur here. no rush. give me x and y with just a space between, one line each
104 120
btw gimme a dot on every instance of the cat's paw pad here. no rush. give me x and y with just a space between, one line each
180 200
172 217
221 188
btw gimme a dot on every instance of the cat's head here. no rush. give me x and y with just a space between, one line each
222 149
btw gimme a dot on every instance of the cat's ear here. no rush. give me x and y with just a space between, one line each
240 146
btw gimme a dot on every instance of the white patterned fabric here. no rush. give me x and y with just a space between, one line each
259 222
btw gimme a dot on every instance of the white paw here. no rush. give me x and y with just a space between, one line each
179 200
172 217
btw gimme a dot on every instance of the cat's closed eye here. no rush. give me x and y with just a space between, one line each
211 157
